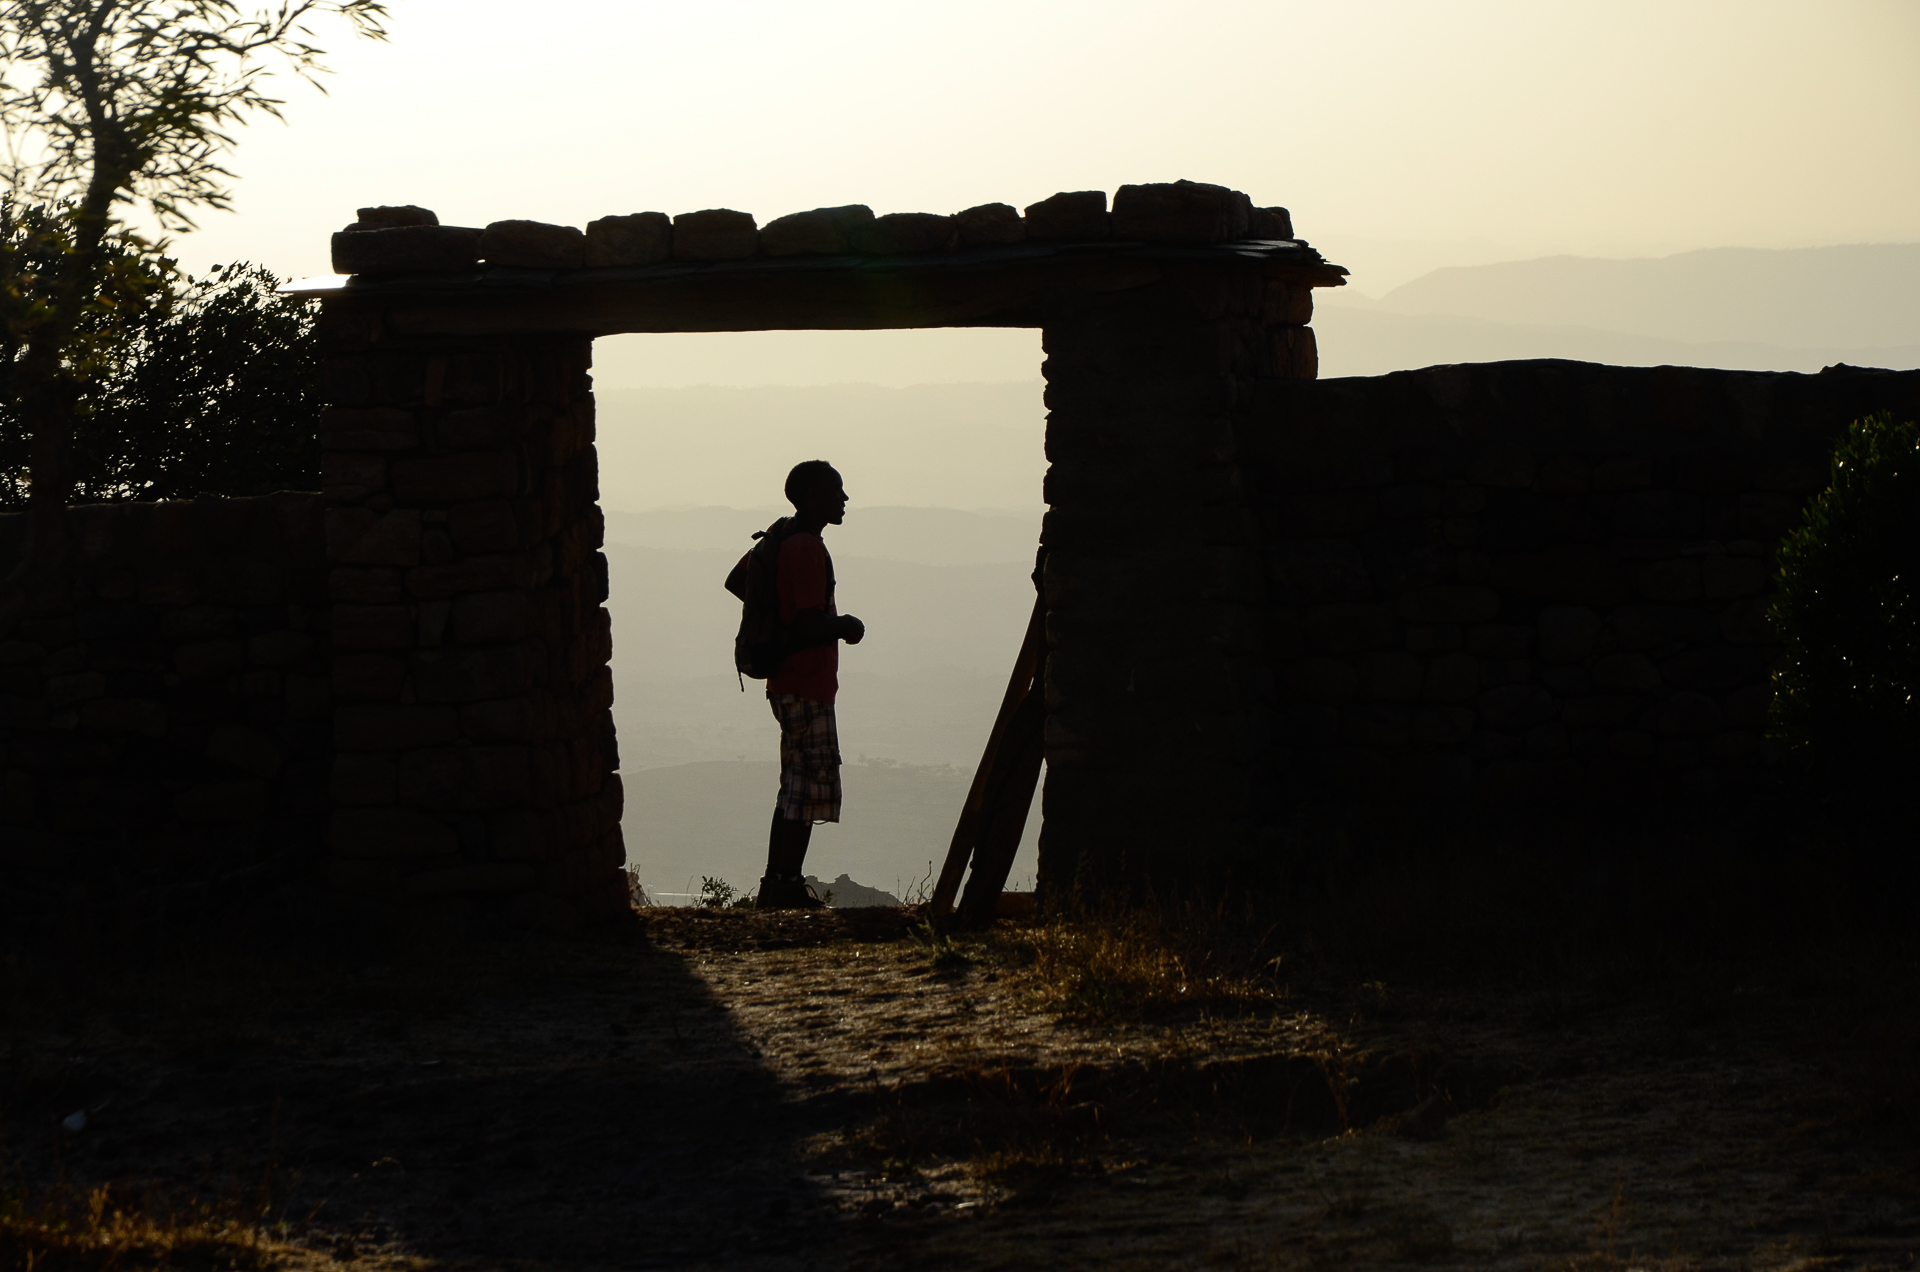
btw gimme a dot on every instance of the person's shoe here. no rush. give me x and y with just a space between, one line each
786 894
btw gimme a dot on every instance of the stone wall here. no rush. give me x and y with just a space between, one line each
1521 583
473 728
167 721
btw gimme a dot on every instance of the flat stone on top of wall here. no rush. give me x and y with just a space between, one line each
714 234
898 233
1181 212
989 225
642 238
1270 223
818 232
533 245
389 217
425 249
1075 216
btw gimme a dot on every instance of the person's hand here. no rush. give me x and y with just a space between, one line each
851 629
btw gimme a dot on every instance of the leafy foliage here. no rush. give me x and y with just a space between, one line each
1848 611
207 386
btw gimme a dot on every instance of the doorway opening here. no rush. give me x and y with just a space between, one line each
940 435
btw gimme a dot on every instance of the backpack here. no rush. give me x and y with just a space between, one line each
763 641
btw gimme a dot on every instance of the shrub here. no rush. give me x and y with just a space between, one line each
1848 613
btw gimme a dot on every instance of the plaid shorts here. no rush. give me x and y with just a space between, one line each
809 759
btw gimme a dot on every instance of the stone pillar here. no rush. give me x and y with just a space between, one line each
1159 740
473 728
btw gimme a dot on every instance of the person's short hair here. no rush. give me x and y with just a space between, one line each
808 473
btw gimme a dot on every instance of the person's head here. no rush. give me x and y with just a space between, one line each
816 491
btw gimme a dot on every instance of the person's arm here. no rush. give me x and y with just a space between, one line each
817 627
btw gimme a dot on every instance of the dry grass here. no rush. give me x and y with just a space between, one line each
92 1230
1146 959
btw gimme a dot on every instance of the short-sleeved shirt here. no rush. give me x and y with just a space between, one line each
803 580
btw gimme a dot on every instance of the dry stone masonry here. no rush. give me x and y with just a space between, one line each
1268 599
167 721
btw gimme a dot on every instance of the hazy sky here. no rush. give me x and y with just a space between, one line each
1402 135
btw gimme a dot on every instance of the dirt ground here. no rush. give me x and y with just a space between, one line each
840 1090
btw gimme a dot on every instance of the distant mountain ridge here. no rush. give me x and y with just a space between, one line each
1862 296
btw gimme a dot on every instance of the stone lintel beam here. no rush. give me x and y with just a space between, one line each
1013 286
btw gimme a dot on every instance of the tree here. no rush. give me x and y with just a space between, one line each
107 105
1847 692
209 385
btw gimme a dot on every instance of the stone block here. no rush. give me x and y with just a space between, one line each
531 717
1270 223
363 781
15 652
1403 502
715 234
1070 217
819 232
1681 713
406 249
1449 603
389 834
1603 710
476 427
1503 470
1568 633
1671 581
533 245
900 233
642 238
248 750
1516 708
368 677
506 572
1377 725
372 627
1432 640
124 715
1747 707
281 648
1626 673
1294 352
1734 747
1391 676
1443 726
350 586
350 476
361 536
363 429
1452 678
1507 642
457 478
1563 475
208 659
490 618
1623 472
486 527
1716 667
308 697
188 622
1544 741
989 225
386 218
1725 577
469 778
217 802
1745 622
1650 626
469 675
393 726
1328 680
481 877
1181 212
1345 628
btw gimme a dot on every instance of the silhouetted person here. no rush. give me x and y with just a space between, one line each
802 690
